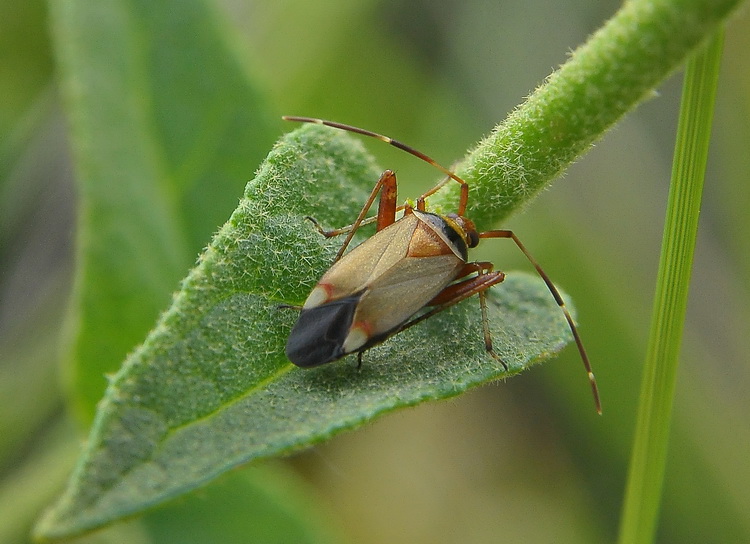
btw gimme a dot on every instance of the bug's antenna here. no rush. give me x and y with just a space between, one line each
560 302
402 146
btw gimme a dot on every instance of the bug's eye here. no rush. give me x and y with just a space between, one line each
473 238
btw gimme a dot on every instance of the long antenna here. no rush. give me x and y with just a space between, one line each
402 146
560 302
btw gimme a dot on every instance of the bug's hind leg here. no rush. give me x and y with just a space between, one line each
486 330
453 294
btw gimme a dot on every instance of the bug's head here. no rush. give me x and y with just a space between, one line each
468 230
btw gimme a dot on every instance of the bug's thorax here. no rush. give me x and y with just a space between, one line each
438 235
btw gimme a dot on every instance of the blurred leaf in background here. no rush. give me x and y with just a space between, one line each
437 75
166 126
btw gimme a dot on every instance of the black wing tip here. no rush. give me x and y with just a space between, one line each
319 334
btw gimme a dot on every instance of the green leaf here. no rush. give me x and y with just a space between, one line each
211 389
166 126
261 504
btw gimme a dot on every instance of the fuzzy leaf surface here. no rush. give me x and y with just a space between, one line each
211 389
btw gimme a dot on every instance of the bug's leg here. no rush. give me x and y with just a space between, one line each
387 182
387 204
463 200
289 307
485 279
486 330
387 187
560 302
455 293
387 208
342 230
359 360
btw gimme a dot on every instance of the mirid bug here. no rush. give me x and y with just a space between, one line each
415 262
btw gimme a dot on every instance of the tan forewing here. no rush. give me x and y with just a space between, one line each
361 266
397 271
403 290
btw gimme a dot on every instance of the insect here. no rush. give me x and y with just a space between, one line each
417 261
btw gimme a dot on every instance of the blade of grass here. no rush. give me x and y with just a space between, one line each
643 493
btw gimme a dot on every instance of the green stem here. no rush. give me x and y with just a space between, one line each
648 459
617 68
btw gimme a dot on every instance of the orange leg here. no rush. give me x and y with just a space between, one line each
387 204
469 287
387 187
387 208
456 292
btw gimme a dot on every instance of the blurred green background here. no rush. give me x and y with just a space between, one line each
523 461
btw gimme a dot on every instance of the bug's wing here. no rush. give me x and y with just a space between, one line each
319 333
372 290
402 291
365 263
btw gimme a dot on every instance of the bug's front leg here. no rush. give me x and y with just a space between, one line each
388 189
